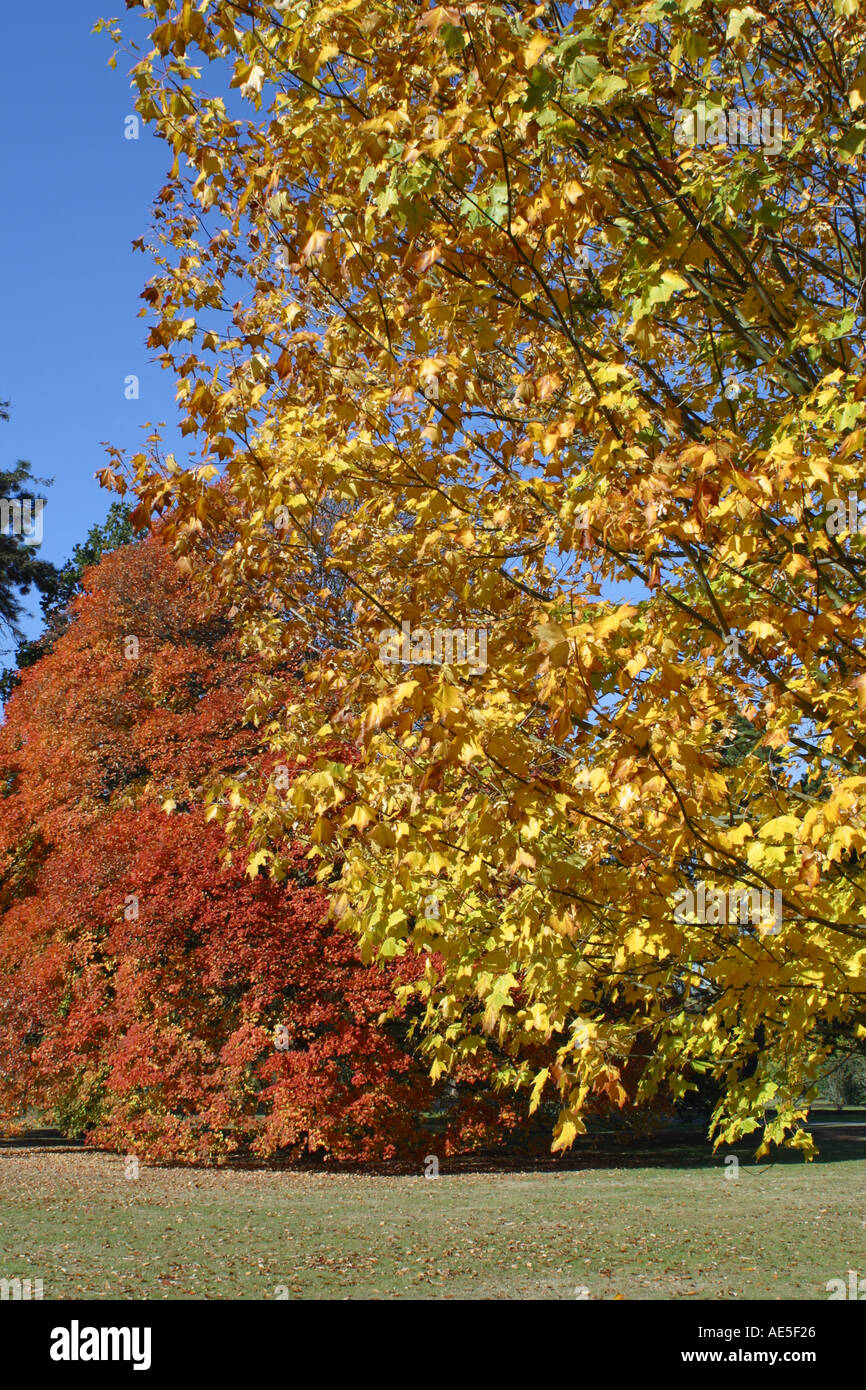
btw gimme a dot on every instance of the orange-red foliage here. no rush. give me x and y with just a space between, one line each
141 983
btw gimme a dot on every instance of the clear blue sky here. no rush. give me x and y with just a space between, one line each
75 194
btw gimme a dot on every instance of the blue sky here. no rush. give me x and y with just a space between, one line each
76 193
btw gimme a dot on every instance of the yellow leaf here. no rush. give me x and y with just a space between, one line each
779 829
565 1135
534 49
255 862
762 630
634 941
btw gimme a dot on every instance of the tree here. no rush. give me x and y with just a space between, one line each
57 599
150 996
20 537
560 313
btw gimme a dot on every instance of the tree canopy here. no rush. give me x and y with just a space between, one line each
21 569
549 321
67 583
152 997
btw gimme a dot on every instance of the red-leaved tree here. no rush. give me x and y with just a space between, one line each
151 996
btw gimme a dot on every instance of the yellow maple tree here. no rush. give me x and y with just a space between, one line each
522 345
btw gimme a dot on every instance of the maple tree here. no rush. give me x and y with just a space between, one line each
492 320
56 601
150 995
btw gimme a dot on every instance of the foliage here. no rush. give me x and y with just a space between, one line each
456 277
844 1081
149 996
20 568
57 600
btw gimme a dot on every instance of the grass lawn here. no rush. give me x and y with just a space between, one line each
667 1230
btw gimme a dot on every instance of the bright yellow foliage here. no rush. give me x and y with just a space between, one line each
481 345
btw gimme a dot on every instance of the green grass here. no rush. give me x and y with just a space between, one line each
651 1232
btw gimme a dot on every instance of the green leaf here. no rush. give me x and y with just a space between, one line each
540 86
771 214
453 38
853 142
585 70
386 199
840 329
608 86
659 293
497 204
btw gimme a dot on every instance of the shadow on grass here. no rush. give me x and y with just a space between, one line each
839 1138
